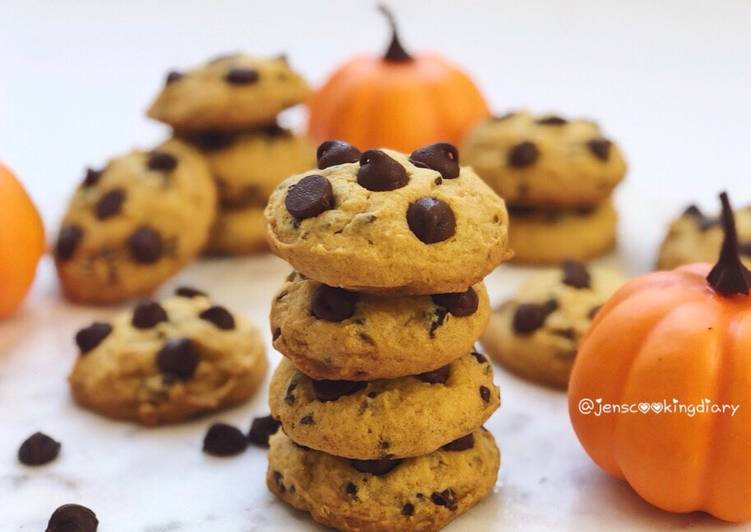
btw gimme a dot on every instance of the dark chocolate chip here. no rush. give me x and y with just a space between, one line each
147 314
463 443
693 210
522 154
438 376
178 357
90 337
333 304
110 204
459 304
375 467
38 449
593 312
307 420
289 397
187 291
408 509
529 317
212 140
600 148
482 359
242 76
351 490
328 390
224 440
568 332
485 393
173 76
145 245
440 318
309 197
262 429
575 274
219 316
379 172
431 220
333 152
67 242
441 157
445 498
92 177
278 480
161 161
552 120
72 518
276 333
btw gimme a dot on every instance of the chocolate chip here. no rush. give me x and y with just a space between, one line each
379 172
600 148
224 440
289 397
72 518
145 245
92 177
161 161
693 210
459 304
278 480
481 359
440 317
187 291
262 429
441 157
593 312
334 152
375 467
90 337
575 274
173 76
307 420
276 333
67 242
38 449
568 333
219 316
408 509
328 390
438 376
178 357
552 120
351 490
110 204
242 76
147 314
445 498
463 443
309 197
485 393
703 222
333 304
431 220
212 140
522 154
529 317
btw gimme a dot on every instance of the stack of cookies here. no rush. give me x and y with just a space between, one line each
228 110
558 176
381 397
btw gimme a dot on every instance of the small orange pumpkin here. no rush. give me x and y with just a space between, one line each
398 100
666 339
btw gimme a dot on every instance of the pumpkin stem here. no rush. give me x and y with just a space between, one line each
729 276
396 51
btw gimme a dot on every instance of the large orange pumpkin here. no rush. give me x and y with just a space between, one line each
399 100
682 336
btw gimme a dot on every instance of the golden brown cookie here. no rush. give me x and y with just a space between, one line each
238 231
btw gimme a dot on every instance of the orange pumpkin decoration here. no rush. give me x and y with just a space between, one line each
400 100
663 340
21 242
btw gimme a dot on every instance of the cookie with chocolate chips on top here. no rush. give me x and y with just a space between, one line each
536 333
387 222
386 418
332 333
167 362
545 160
229 93
134 223
417 494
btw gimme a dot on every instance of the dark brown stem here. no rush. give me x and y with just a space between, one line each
729 276
396 51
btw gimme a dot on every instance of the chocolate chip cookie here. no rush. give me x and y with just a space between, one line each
416 494
229 93
238 231
382 221
545 160
697 237
388 418
549 236
536 334
332 333
134 223
167 362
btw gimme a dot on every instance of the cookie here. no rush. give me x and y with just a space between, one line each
696 237
545 160
167 362
249 165
388 222
388 418
536 333
229 93
332 333
238 232
416 494
134 223
549 236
